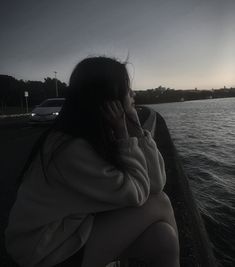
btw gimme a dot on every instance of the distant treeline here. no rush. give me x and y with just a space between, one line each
12 93
163 95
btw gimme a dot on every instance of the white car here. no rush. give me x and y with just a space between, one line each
47 111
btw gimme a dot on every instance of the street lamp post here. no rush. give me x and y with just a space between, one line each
26 95
56 86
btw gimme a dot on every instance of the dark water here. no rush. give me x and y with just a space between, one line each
204 134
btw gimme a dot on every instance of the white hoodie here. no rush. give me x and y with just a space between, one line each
50 221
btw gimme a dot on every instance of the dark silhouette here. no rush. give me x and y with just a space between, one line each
93 177
164 95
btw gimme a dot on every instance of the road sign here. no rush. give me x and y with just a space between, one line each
26 93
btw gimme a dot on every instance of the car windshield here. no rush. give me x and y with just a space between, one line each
52 103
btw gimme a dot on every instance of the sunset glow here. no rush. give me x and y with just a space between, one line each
178 44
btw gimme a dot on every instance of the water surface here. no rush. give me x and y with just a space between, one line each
204 134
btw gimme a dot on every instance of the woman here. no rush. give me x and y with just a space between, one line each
92 189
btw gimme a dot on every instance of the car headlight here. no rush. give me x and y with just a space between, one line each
55 113
33 114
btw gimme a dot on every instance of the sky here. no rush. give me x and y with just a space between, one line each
181 44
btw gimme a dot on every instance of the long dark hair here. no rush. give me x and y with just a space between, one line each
94 81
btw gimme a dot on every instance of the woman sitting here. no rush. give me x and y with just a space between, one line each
92 189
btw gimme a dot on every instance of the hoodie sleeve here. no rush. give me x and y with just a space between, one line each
155 162
90 175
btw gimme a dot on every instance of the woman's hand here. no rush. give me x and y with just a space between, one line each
132 120
114 114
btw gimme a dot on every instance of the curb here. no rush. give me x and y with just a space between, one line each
14 115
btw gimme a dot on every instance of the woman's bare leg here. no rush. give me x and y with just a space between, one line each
157 246
115 233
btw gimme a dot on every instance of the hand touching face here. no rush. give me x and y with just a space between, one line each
114 114
129 102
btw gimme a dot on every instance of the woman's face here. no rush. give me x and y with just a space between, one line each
129 101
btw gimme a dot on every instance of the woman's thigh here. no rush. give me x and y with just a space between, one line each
114 231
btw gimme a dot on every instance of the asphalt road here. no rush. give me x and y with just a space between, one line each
16 140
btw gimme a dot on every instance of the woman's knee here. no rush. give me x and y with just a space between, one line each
159 204
162 197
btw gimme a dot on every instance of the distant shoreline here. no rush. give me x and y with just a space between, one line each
162 95
17 111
